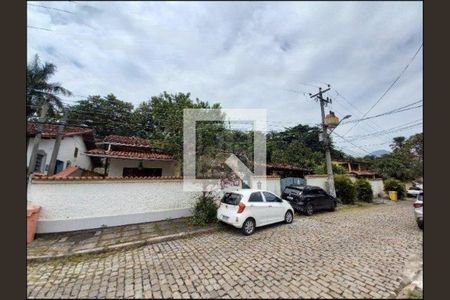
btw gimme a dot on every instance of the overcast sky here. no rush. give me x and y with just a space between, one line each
243 55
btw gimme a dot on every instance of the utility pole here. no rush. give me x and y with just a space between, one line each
37 139
59 137
326 138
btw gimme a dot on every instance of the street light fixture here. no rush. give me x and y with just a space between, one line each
346 117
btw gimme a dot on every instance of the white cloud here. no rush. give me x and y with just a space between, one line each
243 54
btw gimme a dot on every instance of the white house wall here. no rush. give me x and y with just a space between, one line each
116 166
68 205
317 180
66 151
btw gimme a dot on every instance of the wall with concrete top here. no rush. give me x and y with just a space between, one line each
321 181
77 203
85 204
273 184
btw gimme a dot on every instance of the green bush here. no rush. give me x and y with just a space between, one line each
392 184
363 190
345 190
205 211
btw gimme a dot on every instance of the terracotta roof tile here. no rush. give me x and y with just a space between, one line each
127 140
66 172
88 178
130 154
108 178
51 130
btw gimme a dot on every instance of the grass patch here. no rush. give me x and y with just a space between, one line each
158 229
358 204
415 294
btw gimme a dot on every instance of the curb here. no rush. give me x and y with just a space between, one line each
127 245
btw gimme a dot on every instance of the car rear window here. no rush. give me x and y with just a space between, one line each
293 191
231 198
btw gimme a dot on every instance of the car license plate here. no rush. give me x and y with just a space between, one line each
225 217
289 197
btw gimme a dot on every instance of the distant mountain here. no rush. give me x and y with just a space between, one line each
379 153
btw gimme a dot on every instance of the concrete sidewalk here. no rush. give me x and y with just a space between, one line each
55 245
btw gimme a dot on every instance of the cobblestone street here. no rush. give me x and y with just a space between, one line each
354 253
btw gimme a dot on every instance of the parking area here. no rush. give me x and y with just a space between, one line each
353 253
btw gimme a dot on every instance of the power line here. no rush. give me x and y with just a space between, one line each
47 7
372 125
40 28
383 132
308 84
359 147
390 87
394 111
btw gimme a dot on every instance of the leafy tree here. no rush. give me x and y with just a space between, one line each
398 143
406 160
298 145
39 90
337 169
166 114
142 120
108 115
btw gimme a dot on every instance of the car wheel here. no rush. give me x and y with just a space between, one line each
333 206
309 210
248 227
420 225
289 217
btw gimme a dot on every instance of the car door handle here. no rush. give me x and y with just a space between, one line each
270 205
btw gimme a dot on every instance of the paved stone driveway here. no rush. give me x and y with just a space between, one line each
69 243
358 253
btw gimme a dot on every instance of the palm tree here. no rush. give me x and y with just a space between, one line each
40 91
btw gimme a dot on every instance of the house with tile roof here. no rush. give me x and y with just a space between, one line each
75 142
357 168
132 157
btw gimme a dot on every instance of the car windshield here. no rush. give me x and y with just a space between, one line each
231 198
296 191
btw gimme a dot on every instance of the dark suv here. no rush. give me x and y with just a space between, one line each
308 199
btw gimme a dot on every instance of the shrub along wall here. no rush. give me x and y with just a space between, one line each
345 190
392 184
363 190
321 181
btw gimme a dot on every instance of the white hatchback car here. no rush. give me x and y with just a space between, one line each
249 208
418 210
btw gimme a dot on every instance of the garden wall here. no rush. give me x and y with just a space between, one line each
92 203
321 181
77 203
